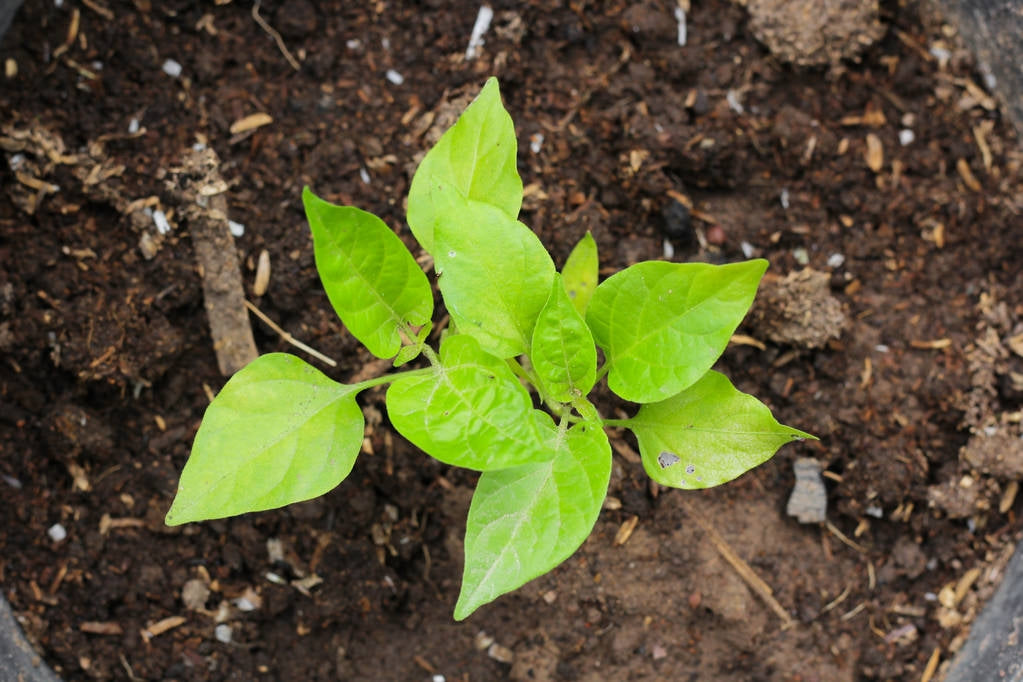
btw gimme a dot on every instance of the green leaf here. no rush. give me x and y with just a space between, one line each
525 521
563 353
373 282
279 432
471 411
663 325
580 273
495 277
707 435
475 160
412 350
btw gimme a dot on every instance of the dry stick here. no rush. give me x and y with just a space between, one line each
288 337
744 570
200 194
272 32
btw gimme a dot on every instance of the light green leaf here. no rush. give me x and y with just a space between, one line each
563 353
471 411
373 282
495 277
525 521
412 350
580 273
475 160
707 435
663 325
279 432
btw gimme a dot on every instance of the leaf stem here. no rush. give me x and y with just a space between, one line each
602 372
388 378
617 423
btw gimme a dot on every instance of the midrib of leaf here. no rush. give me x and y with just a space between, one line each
287 434
395 317
521 517
639 339
442 375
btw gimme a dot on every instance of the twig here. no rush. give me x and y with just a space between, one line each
745 572
932 665
272 32
843 537
288 337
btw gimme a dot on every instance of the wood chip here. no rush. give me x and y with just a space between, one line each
262 281
965 583
625 530
1015 344
744 340
250 122
101 628
966 173
161 626
934 344
874 154
932 665
1008 497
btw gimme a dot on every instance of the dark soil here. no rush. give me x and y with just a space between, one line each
106 360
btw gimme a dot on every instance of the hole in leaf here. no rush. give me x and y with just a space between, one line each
667 459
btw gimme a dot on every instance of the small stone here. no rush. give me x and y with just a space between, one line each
678 224
222 633
57 532
172 68
194 594
809 499
658 652
716 235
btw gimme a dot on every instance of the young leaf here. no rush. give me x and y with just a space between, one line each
279 432
525 521
563 353
580 273
373 282
471 411
707 435
473 161
663 325
495 276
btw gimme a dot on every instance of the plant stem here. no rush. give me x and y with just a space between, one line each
602 372
617 423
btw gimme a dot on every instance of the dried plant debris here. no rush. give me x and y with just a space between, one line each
799 310
814 32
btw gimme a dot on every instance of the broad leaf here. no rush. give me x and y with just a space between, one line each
663 325
495 276
580 273
279 432
707 435
470 412
525 521
563 353
473 161
373 282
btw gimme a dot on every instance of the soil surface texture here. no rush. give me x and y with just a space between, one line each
881 182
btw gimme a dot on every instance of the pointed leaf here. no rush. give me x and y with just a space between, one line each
371 279
563 353
580 273
495 277
707 435
279 432
470 412
474 160
525 521
663 325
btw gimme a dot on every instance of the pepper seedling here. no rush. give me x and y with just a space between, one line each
521 335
